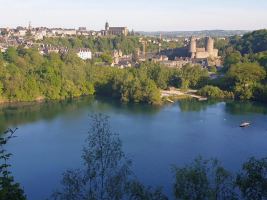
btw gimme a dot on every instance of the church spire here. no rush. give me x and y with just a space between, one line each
30 25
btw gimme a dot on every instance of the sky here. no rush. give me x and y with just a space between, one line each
139 15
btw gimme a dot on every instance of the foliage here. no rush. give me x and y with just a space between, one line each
1 58
214 92
253 180
107 58
232 59
253 42
10 54
107 170
243 73
8 189
213 69
193 77
107 167
202 180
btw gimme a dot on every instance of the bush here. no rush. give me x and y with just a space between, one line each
214 92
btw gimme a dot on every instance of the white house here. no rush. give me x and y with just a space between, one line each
84 53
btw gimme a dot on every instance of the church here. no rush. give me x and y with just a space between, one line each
115 30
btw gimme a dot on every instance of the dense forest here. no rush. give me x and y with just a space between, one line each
25 75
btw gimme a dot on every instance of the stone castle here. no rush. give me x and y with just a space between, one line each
192 51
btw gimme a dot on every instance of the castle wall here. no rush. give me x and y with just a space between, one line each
201 49
202 54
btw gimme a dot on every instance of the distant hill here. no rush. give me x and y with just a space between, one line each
218 33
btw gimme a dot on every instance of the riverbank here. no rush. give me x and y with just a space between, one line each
175 95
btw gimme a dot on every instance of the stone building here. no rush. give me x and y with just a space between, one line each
192 51
206 52
115 30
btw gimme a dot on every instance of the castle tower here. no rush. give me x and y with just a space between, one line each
120 53
209 45
192 47
106 26
30 25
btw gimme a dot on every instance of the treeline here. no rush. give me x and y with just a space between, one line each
126 44
25 75
207 179
245 63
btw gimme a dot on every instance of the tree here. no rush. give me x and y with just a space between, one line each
4 32
107 58
132 33
1 58
232 59
201 181
8 189
243 73
107 170
253 180
10 54
107 167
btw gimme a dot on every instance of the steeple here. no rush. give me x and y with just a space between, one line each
106 26
30 25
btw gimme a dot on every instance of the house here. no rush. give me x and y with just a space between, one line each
84 53
23 32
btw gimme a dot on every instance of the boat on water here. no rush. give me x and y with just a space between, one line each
244 124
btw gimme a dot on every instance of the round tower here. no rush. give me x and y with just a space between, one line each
209 45
107 26
192 47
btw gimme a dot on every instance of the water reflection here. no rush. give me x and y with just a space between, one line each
241 107
189 105
15 114
233 107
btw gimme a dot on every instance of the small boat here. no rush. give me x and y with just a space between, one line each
170 101
244 124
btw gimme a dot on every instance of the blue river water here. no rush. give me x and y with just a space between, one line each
51 136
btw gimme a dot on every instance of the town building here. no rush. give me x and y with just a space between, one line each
84 53
115 30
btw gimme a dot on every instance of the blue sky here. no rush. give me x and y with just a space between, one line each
146 15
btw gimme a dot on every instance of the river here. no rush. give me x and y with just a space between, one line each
51 136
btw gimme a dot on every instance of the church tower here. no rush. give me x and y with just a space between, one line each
107 26
30 25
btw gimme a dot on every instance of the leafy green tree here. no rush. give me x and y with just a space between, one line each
107 173
10 54
8 189
232 59
213 69
107 58
243 73
107 167
172 45
253 180
200 180
214 92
